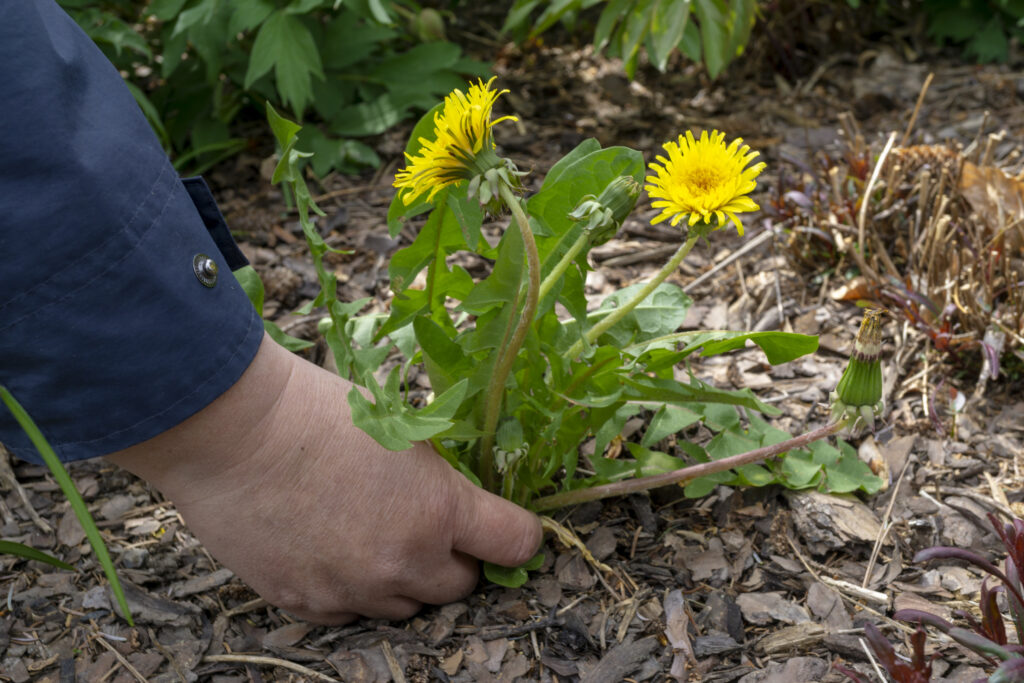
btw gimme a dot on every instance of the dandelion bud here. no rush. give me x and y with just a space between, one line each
857 398
604 214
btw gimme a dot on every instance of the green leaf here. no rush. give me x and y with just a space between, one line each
286 45
249 14
779 347
799 470
74 497
611 15
284 339
21 550
283 129
512 577
553 11
669 419
661 313
252 285
502 285
653 462
711 14
393 430
568 183
668 23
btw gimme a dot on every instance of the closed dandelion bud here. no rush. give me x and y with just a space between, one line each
604 214
858 396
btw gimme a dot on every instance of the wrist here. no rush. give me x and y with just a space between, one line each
219 436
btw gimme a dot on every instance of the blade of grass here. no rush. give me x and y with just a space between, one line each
29 553
68 486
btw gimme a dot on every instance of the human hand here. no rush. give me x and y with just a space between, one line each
314 515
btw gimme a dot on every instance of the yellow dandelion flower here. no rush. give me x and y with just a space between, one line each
702 179
462 146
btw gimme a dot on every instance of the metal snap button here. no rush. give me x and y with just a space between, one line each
205 269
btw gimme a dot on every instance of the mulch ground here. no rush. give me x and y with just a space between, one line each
753 585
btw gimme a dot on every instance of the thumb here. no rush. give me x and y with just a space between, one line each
495 530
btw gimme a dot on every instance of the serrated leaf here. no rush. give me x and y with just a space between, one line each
286 45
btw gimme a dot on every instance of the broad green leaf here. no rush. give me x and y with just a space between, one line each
665 390
349 40
165 10
249 14
611 15
252 285
653 462
566 185
659 314
553 11
669 419
512 577
714 31
799 470
283 129
502 285
286 45
667 26
29 553
440 236
634 30
78 506
395 431
779 347
284 339
519 14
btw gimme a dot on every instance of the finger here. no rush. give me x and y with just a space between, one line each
496 530
446 581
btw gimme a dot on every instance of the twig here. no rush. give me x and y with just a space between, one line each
120 658
703 469
917 109
886 526
749 246
874 663
862 215
270 661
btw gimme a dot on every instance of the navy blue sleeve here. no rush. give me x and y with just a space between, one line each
108 336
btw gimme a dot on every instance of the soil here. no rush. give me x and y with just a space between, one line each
751 584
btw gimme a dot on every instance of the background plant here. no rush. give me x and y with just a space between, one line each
713 32
201 68
987 636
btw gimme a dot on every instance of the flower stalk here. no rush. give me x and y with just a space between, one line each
620 488
618 314
508 354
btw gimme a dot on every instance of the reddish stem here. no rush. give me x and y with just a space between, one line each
703 469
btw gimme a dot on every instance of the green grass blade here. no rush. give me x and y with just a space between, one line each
12 548
68 486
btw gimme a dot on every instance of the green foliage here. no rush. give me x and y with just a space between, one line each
712 31
983 27
30 553
455 328
198 68
92 533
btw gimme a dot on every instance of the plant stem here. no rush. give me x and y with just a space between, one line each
563 265
703 469
508 354
619 313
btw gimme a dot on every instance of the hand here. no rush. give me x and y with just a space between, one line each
318 518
